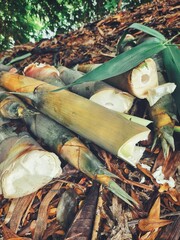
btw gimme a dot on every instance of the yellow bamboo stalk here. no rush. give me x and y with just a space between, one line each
104 127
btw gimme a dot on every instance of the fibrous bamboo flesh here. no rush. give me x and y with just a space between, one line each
90 120
24 165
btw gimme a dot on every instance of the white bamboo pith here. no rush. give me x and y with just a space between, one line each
25 166
113 99
158 92
90 120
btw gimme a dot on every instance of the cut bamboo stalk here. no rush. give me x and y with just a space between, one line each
112 98
151 90
66 145
44 72
67 208
127 44
41 71
90 120
68 76
11 107
99 92
138 80
117 100
5 67
56 136
25 166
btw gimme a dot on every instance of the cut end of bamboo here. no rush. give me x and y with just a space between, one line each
28 173
156 93
113 99
41 71
130 151
143 78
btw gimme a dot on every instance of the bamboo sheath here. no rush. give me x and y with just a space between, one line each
90 120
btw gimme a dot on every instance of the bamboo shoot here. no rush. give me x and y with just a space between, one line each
106 128
66 145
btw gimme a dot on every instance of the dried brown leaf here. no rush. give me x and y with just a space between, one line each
8 234
155 210
153 220
150 224
41 222
19 211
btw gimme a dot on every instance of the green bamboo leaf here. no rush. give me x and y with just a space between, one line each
142 28
171 57
122 63
17 59
147 30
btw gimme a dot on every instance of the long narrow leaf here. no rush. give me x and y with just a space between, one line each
17 59
122 63
171 58
147 30
142 28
